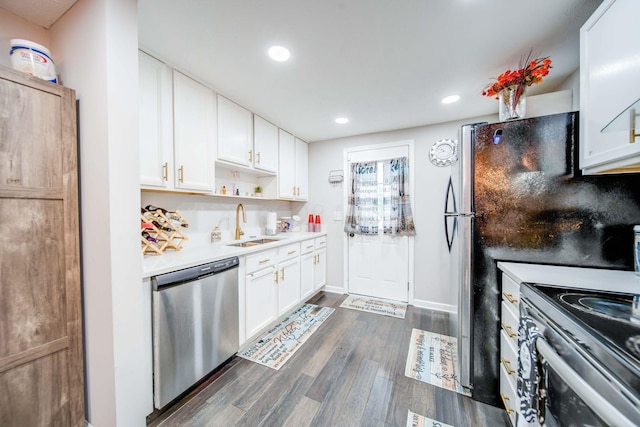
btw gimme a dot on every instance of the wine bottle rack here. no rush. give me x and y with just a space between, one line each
166 231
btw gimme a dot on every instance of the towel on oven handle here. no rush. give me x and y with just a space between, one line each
531 384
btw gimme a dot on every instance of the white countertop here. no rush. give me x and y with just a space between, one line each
196 254
573 277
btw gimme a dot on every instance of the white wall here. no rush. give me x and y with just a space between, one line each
15 27
95 45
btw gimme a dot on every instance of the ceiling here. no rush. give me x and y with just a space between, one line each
384 64
44 13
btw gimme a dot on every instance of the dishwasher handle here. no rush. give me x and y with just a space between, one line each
167 280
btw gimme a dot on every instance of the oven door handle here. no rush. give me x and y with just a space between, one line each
600 406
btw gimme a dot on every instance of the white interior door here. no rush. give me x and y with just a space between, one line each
379 265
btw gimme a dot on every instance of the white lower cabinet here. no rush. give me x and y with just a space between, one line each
278 280
288 282
320 263
307 269
509 320
260 292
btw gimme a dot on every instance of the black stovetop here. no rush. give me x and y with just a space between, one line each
606 315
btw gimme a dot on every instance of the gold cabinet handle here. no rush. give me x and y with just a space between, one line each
258 157
250 156
165 171
510 298
298 192
310 247
282 273
504 402
276 277
262 261
507 329
507 365
291 252
181 174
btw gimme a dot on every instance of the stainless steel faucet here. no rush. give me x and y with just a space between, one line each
239 231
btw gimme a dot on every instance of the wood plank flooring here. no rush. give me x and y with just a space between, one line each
349 373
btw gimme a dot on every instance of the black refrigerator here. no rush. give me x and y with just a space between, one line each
516 194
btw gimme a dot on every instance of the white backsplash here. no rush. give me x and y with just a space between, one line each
203 213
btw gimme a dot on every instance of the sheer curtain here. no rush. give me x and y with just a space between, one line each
368 194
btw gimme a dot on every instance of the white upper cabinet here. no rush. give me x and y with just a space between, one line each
302 170
293 166
235 133
286 165
156 123
194 114
265 142
609 86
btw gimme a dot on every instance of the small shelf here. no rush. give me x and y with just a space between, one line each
625 121
220 196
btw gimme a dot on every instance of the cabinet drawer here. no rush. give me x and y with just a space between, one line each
307 246
509 322
508 395
321 242
288 252
508 358
260 260
510 292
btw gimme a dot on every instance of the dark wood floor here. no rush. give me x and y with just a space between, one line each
349 373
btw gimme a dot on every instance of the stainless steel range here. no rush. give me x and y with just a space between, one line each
590 353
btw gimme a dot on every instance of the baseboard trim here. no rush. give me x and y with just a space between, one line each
447 308
335 289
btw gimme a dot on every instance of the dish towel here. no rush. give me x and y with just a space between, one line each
530 387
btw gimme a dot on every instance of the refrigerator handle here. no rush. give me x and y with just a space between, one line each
450 237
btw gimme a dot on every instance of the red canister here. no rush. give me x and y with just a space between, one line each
310 224
317 224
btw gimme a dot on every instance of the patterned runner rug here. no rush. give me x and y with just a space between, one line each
283 340
415 420
433 359
375 305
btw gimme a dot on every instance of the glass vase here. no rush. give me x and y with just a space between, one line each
512 103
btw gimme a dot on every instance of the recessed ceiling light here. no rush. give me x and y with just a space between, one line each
279 53
342 120
450 99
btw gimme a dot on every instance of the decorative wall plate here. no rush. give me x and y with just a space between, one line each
444 152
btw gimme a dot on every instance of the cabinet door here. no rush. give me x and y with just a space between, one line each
302 170
320 268
155 122
235 133
288 285
41 355
265 143
609 70
307 284
194 113
286 165
260 300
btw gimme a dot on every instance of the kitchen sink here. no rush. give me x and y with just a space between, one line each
250 243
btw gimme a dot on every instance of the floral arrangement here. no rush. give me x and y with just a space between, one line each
531 71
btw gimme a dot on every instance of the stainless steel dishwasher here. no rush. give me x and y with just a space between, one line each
195 325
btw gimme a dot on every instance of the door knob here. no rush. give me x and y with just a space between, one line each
351 234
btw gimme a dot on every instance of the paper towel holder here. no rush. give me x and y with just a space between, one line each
336 176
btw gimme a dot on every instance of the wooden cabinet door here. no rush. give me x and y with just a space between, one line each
156 122
235 133
265 143
194 114
286 165
41 363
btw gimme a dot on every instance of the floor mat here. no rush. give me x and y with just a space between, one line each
375 305
433 359
283 340
415 420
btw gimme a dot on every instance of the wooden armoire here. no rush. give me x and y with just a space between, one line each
41 356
